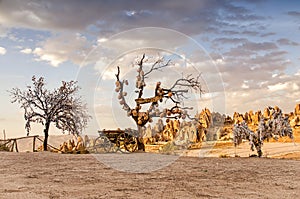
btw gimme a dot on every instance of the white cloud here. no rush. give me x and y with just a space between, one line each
53 59
102 39
295 87
2 51
245 85
278 87
76 48
287 86
26 51
63 48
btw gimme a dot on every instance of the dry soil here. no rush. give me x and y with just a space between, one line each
48 175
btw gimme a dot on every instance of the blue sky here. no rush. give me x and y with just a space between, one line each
247 51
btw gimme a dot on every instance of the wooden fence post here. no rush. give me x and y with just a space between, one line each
4 135
33 145
12 146
16 145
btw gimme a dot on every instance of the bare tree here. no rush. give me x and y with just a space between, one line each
61 106
177 93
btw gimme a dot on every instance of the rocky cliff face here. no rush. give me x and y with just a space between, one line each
297 109
294 117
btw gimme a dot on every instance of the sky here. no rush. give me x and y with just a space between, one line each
246 51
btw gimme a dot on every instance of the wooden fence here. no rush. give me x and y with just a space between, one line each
12 143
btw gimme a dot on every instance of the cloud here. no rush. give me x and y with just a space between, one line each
192 18
96 20
2 51
278 87
251 65
284 41
102 51
26 51
227 40
242 17
294 14
243 44
221 42
3 31
65 47
279 91
254 46
268 34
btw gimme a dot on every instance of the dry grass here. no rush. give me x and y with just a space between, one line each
4 148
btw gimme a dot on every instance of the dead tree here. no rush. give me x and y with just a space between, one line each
61 106
177 93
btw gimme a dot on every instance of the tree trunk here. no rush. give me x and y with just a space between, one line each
46 133
141 145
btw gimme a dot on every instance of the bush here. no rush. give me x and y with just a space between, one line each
168 148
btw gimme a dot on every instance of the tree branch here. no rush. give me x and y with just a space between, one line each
120 90
154 67
41 105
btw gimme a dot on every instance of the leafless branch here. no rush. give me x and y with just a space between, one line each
156 66
44 106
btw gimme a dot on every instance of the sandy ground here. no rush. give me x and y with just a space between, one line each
48 175
217 149
146 175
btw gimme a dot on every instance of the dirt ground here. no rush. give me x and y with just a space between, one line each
49 175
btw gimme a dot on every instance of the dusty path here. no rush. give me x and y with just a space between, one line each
48 175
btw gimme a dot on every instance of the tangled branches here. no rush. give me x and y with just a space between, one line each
177 93
274 127
62 106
